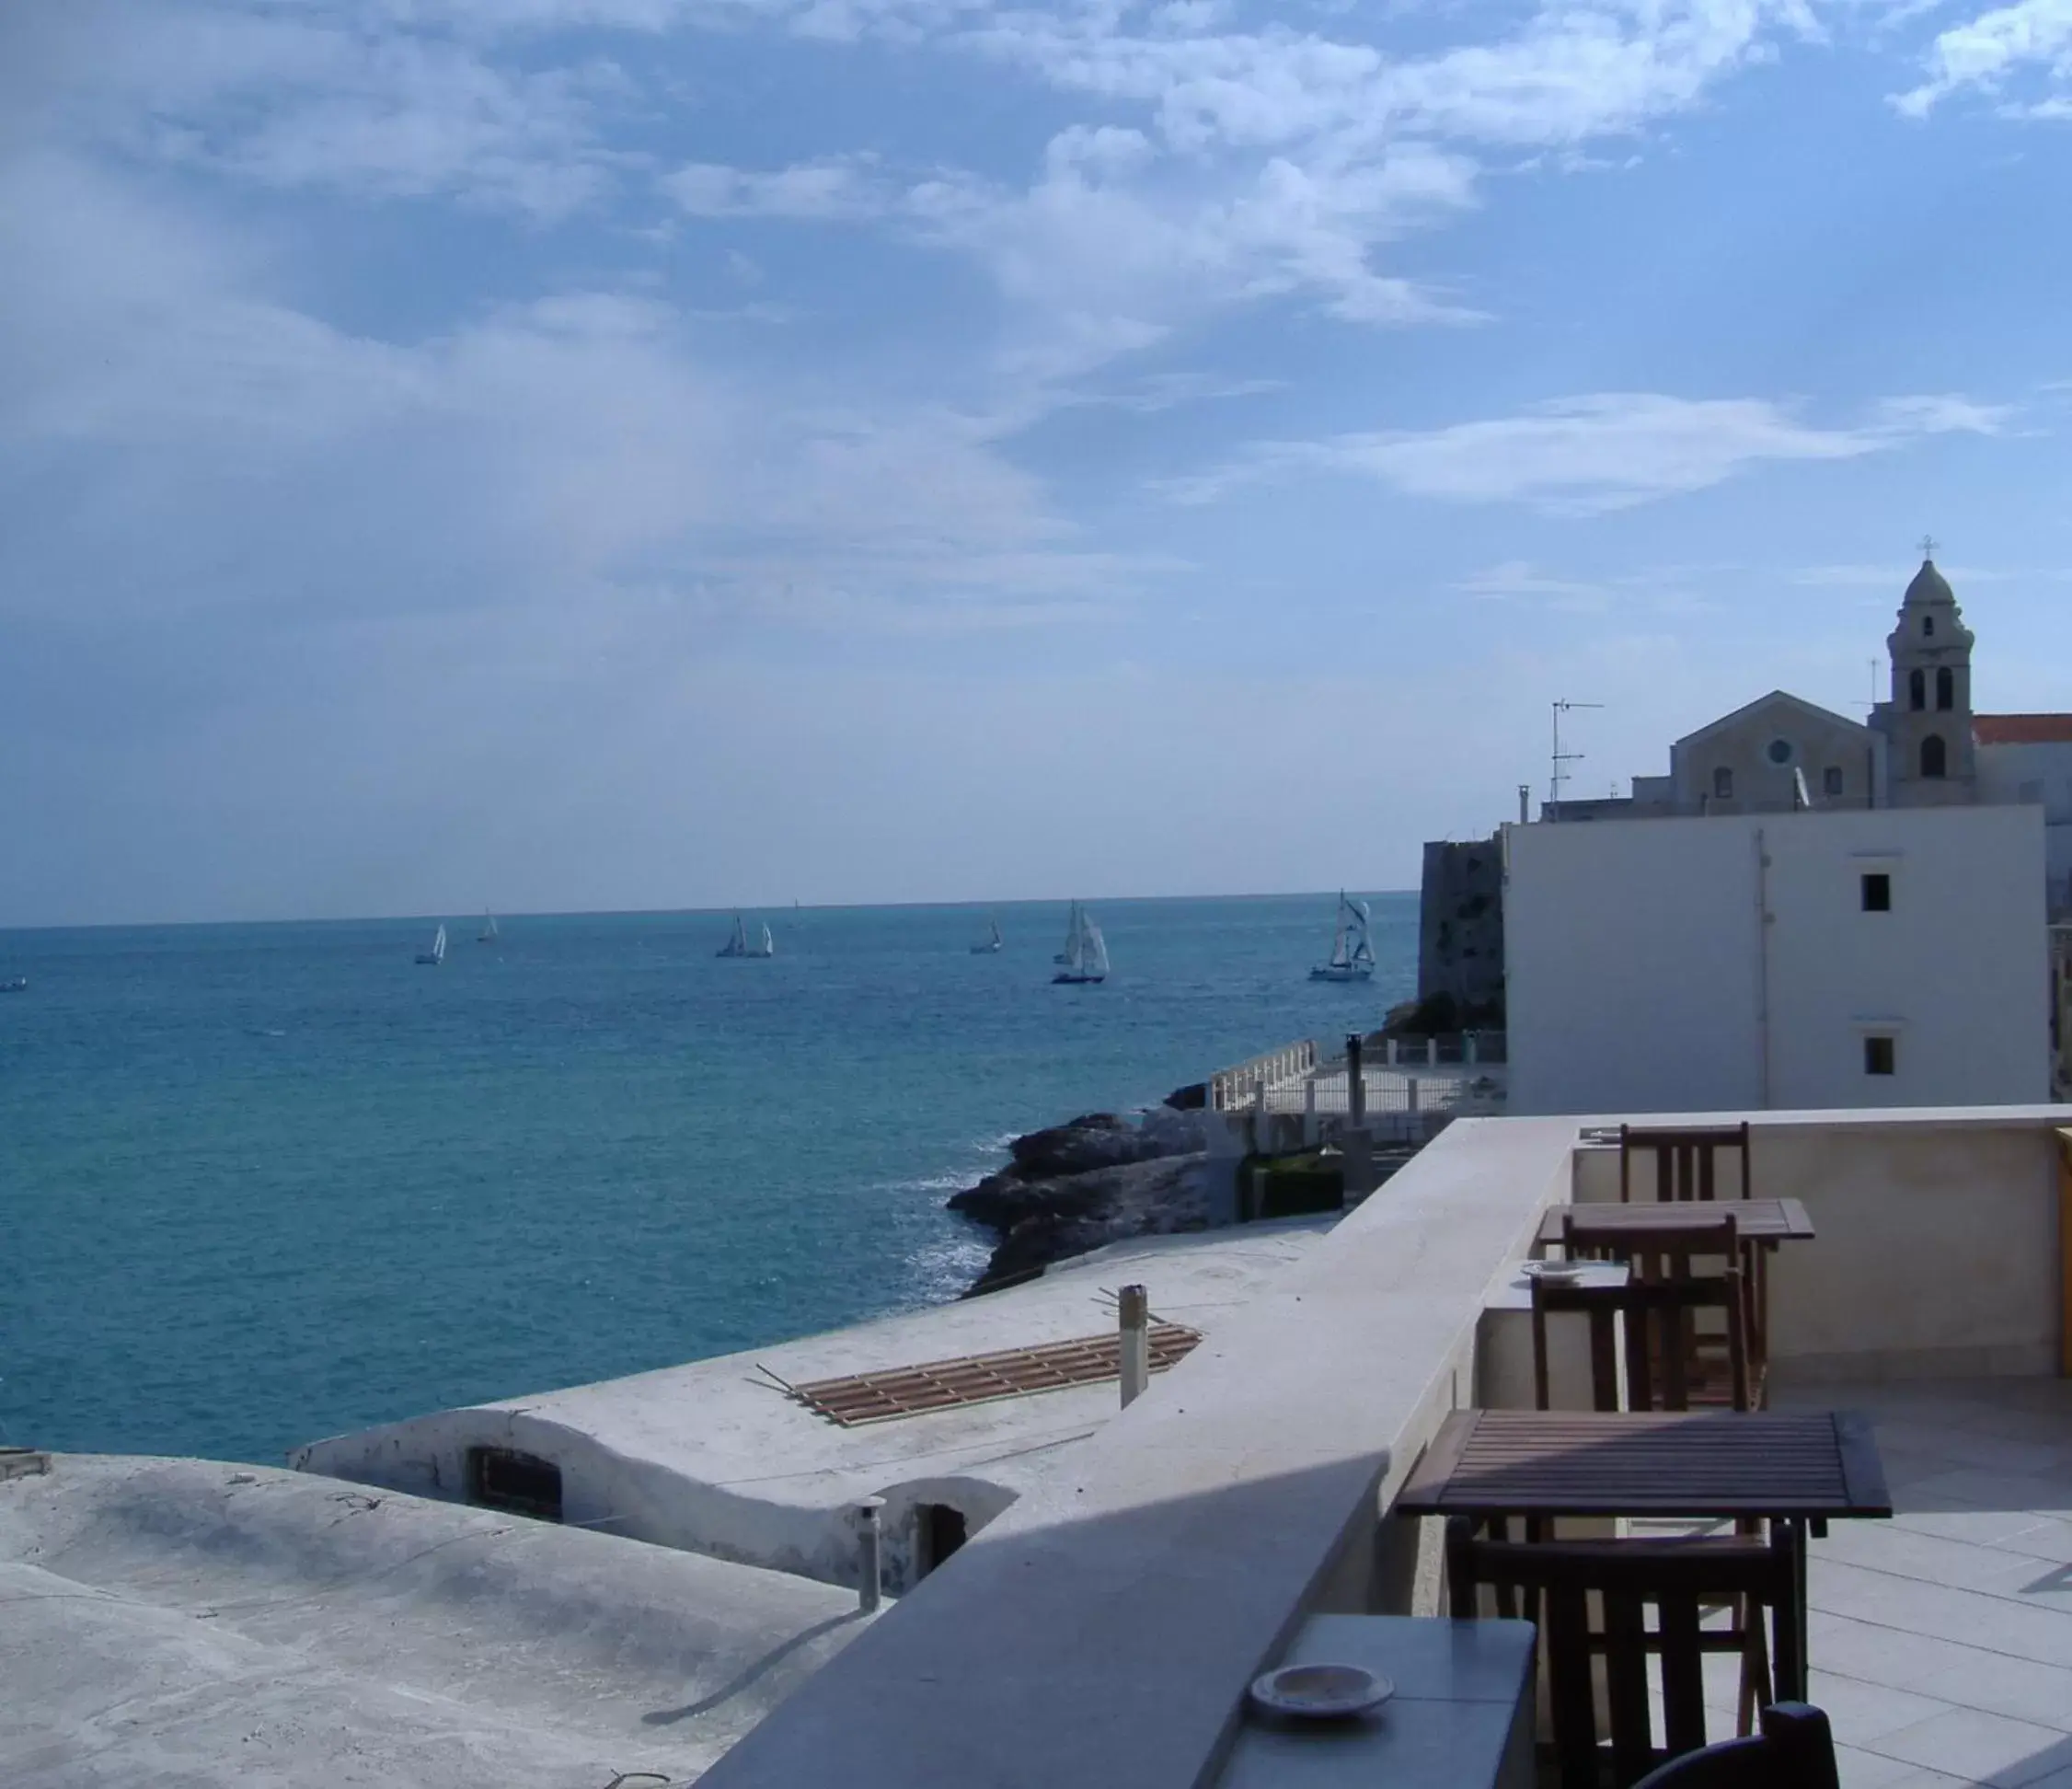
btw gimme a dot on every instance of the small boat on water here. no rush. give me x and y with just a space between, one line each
992 942
487 935
1085 957
20 984
740 945
432 958
1353 957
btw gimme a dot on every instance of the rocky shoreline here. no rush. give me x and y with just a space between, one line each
1100 1178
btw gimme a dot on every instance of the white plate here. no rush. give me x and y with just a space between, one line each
1321 1692
1555 1272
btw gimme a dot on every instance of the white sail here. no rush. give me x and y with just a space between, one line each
1353 957
768 946
1093 954
994 927
487 935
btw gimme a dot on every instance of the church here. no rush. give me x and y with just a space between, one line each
1925 746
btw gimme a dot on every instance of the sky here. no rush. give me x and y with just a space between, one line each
559 455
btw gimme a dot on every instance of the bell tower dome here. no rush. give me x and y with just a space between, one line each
1928 719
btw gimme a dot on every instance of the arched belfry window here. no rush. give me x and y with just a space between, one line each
1934 757
1918 690
1945 687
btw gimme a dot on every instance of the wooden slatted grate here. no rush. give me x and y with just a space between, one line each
979 1378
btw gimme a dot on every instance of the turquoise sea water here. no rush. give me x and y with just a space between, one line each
261 1184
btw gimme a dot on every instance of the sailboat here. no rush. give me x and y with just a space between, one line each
1086 950
740 945
437 954
1353 957
487 935
992 941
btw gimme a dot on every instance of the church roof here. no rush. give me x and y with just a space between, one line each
2022 729
1777 699
1929 585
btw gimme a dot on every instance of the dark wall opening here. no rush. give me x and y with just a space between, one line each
502 1478
939 1530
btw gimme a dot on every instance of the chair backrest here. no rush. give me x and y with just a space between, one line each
1628 1578
1794 1751
1686 1161
1655 1318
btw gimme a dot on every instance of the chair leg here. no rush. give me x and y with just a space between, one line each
1754 1666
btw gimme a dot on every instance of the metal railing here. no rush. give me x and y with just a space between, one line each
1460 1074
1233 1090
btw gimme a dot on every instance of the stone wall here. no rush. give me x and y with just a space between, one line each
1460 923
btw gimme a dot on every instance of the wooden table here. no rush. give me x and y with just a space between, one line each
1803 1467
1600 1226
1761 1224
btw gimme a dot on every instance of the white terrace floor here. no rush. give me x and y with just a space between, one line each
1941 1640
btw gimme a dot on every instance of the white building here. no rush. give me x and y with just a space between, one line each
1889 957
2028 758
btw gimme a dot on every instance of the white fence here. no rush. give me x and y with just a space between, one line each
1397 1075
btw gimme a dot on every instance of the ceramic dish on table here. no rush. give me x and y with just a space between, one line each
1553 1273
1320 1693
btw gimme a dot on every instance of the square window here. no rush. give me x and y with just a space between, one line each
1878 892
1878 1055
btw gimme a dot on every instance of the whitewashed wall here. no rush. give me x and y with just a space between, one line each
2040 774
1636 977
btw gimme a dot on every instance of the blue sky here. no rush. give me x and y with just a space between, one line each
568 454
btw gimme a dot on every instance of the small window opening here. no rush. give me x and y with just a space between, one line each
1878 892
1916 690
1780 751
1878 1055
941 1529
1935 757
1722 784
1831 780
1927 626
1945 687
502 1478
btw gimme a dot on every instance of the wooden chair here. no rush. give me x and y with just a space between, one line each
1686 1161
1795 1750
1619 1583
1671 1364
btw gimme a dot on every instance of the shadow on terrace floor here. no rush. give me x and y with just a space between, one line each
1940 1642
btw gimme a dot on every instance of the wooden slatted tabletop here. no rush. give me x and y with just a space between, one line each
1794 1465
1756 1220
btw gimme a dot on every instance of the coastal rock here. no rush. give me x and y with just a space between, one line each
1098 1139
1098 1179
1191 1098
1072 1215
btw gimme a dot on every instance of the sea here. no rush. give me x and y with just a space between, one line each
261 1184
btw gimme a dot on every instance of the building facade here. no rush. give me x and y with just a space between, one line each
1884 957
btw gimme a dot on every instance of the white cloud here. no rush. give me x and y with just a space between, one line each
540 452
1590 454
1985 51
839 186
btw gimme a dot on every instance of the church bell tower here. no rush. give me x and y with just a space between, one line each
1927 722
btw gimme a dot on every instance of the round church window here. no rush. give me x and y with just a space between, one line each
1780 751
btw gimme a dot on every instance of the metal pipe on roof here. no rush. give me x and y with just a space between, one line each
1135 1306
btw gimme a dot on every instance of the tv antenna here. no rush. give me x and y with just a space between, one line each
1562 759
